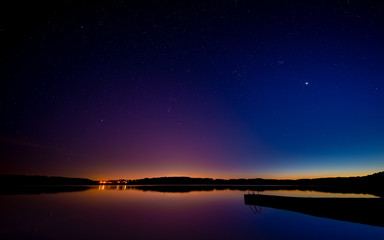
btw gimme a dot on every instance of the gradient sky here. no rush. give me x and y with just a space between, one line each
223 89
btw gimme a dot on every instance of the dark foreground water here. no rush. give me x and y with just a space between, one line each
124 213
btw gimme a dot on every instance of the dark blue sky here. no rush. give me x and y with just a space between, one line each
199 88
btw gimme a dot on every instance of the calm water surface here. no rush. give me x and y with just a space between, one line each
110 213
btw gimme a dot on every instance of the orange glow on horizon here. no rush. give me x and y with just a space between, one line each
279 176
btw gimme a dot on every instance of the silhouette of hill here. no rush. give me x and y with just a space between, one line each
23 180
371 184
372 180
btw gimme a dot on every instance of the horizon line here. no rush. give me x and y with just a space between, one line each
185 176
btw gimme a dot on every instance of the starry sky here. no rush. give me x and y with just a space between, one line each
213 88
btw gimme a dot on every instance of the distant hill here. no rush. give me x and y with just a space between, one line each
371 184
23 180
373 180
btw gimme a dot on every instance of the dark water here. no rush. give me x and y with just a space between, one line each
102 213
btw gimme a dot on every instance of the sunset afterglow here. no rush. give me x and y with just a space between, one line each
218 89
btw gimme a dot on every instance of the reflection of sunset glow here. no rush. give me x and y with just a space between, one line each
214 170
191 193
131 213
315 194
115 187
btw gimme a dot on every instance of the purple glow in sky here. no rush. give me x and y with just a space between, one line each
131 89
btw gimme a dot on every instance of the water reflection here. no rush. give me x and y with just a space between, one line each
114 187
268 190
41 189
128 212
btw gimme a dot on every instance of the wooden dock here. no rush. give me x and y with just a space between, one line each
359 210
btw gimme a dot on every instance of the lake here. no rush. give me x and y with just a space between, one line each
122 212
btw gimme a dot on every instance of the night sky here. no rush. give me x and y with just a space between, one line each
222 89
